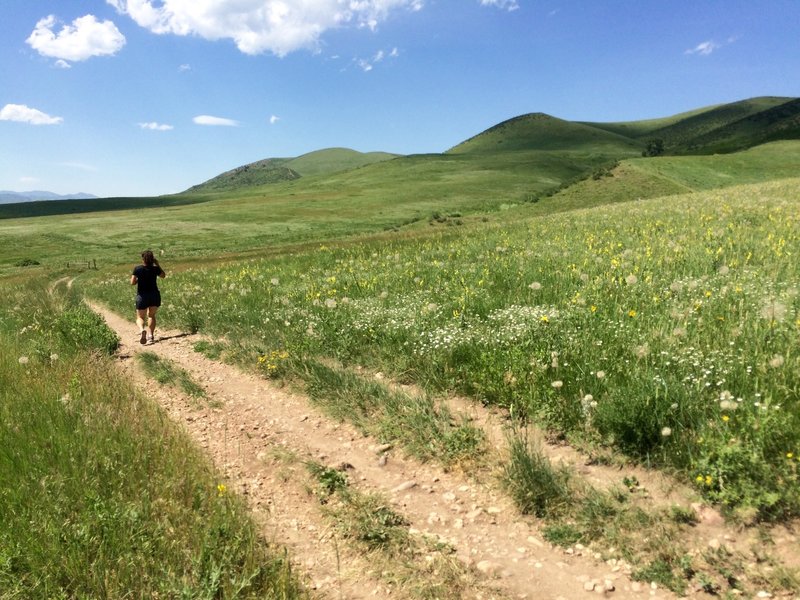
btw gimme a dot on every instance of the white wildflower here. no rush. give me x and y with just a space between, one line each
776 361
23 360
600 374
557 384
631 279
666 432
535 286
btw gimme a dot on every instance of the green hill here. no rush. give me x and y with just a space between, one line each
333 160
638 178
780 122
277 170
262 172
720 128
538 131
688 134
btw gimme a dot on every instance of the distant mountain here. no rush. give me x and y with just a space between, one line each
8 197
275 170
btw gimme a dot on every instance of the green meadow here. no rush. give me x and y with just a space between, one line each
639 307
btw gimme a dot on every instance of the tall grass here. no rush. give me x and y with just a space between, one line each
100 495
667 329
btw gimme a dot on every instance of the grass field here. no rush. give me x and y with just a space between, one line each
100 495
664 329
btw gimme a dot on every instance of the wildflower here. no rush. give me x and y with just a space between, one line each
699 479
23 360
330 303
641 351
726 418
774 311
221 489
593 308
557 384
666 432
789 455
535 286
53 357
274 281
544 319
384 295
631 279
723 270
600 374
709 479
776 361
631 313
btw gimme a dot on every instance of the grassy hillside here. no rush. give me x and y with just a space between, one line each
539 131
333 160
720 128
779 122
639 178
271 170
276 170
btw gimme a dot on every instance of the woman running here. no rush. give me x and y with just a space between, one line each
148 298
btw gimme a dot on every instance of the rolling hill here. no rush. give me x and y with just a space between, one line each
275 170
721 128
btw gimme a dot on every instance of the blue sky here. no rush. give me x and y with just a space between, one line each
147 97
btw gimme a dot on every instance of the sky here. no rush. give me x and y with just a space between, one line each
150 97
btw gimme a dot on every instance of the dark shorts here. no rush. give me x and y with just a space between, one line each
144 301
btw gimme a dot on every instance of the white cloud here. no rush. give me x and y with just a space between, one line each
62 64
184 68
367 64
28 180
156 126
209 120
274 119
704 48
24 114
257 26
79 166
504 4
85 38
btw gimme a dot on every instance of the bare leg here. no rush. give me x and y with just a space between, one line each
151 319
141 315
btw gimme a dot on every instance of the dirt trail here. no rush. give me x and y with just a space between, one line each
247 424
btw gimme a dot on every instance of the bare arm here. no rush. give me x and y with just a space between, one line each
134 279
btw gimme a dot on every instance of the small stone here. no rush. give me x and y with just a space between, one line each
449 497
636 586
473 514
488 567
493 510
382 460
714 544
535 541
763 594
589 586
406 485
381 448
608 586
